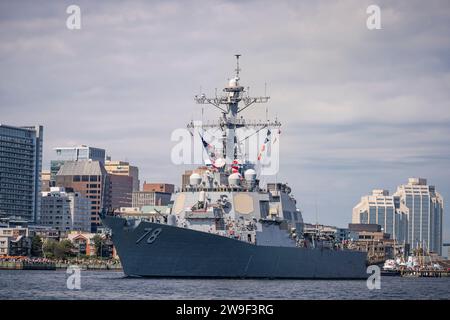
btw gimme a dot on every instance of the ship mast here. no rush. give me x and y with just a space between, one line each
228 104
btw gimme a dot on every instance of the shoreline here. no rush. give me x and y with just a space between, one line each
33 265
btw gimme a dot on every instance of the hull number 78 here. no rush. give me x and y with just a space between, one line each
151 235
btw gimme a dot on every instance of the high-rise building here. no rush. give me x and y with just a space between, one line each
91 180
150 198
426 208
124 169
120 190
20 171
65 210
382 209
83 152
158 187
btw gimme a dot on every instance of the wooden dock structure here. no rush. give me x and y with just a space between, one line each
424 273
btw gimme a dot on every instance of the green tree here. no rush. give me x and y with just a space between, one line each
36 246
99 242
63 249
49 248
58 249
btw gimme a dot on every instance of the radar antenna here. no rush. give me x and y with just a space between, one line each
228 104
237 65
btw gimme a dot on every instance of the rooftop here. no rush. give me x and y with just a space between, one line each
82 167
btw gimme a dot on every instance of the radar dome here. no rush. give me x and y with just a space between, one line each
234 179
250 175
220 162
195 179
233 82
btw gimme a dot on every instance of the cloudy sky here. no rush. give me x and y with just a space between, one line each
361 109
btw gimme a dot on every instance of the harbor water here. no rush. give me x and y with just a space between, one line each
37 284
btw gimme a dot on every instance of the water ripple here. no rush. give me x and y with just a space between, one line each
17 284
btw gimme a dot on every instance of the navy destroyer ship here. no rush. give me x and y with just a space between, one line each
222 222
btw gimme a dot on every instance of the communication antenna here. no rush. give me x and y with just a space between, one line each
237 65
202 117
231 103
317 214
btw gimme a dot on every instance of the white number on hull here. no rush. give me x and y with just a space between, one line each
152 236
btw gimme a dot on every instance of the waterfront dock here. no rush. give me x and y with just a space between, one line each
21 265
91 266
424 273
33 265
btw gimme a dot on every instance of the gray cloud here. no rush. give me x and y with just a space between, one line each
361 109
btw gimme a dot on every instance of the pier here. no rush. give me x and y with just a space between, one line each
56 265
425 273
21 265
91 266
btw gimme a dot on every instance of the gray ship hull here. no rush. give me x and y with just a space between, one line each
181 252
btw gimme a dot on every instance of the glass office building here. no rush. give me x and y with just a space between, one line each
382 209
20 172
425 214
83 152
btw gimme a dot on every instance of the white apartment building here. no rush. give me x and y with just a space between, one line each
65 210
14 241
